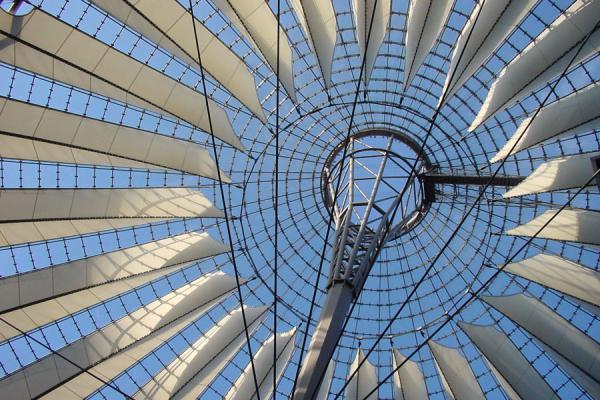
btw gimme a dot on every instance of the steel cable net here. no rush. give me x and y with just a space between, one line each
311 129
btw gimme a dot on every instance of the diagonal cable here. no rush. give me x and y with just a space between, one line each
276 225
225 211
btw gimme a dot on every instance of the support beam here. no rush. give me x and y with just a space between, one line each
324 340
14 7
430 179
480 180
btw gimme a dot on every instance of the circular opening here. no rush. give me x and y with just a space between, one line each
376 178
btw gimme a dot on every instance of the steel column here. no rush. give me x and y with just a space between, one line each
324 340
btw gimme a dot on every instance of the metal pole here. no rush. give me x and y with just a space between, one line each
324 340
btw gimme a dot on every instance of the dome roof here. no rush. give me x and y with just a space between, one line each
173 176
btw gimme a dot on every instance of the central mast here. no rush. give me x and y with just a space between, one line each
380 197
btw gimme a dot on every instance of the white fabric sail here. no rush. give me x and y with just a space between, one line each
49 372
43 284
559 274
317 18
45 311
363 381
187 376
378 22
573 114
244 388
488 26
32 132
549 327
256 21
47 46
510 392
456 372
41 204
591 386
168 24
570 172
409 383
426 19
83 385
28 215
444 383
545 58
574 225
500 351
12 234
